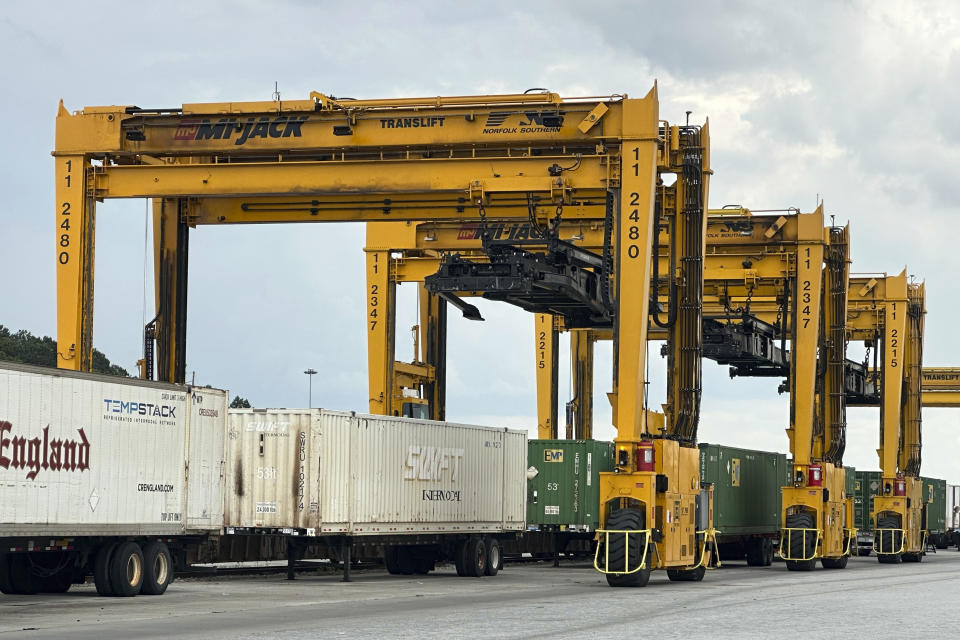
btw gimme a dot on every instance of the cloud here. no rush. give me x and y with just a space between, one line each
853 102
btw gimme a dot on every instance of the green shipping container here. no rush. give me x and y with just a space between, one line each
935 494
564 490
746 488
867 485
850 479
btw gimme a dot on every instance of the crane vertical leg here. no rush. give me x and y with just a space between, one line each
804 510
171 236
581 361
547 342
634 248
433 341
74 255
380 332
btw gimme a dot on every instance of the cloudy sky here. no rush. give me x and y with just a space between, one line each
852 102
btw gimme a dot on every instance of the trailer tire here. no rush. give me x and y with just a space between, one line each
126 570
459 555
626 550
494 557
5 585
767 546
101 569
475 557
21 575
157 569
60 582
754 553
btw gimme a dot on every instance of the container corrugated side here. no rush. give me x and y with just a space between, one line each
952 511
746 488
935 495
271 467
419 476
206 458
339 472
564 491
86 454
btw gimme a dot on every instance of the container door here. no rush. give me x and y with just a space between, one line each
205 456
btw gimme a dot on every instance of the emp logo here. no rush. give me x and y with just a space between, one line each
553 455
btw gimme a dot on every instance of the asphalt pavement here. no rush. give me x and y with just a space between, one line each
867 599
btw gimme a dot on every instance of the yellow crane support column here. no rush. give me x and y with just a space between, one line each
803 511
546 346
75 222
380 332
433 350
580 407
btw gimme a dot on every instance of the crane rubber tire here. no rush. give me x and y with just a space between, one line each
626 550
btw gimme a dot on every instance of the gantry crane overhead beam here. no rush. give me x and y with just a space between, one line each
940 386
326 160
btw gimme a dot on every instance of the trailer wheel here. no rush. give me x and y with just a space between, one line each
755 552
863 551
126 570
494 557
60 582
767 552
5 585
21 575
476 557
460 561
157 569
101 569
390 559
626 550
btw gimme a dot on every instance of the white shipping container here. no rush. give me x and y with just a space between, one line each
87 454
337 472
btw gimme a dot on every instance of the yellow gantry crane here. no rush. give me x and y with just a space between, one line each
482 159
888 312
752 304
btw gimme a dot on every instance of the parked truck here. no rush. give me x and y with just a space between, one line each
104 476
417 491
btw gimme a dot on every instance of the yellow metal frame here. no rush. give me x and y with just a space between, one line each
878 535
789 538
606 546
851 540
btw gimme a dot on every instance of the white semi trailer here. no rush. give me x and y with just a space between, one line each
104 476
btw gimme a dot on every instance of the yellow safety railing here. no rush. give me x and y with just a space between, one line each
788 538
851 540
708 535
878 536
626 546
